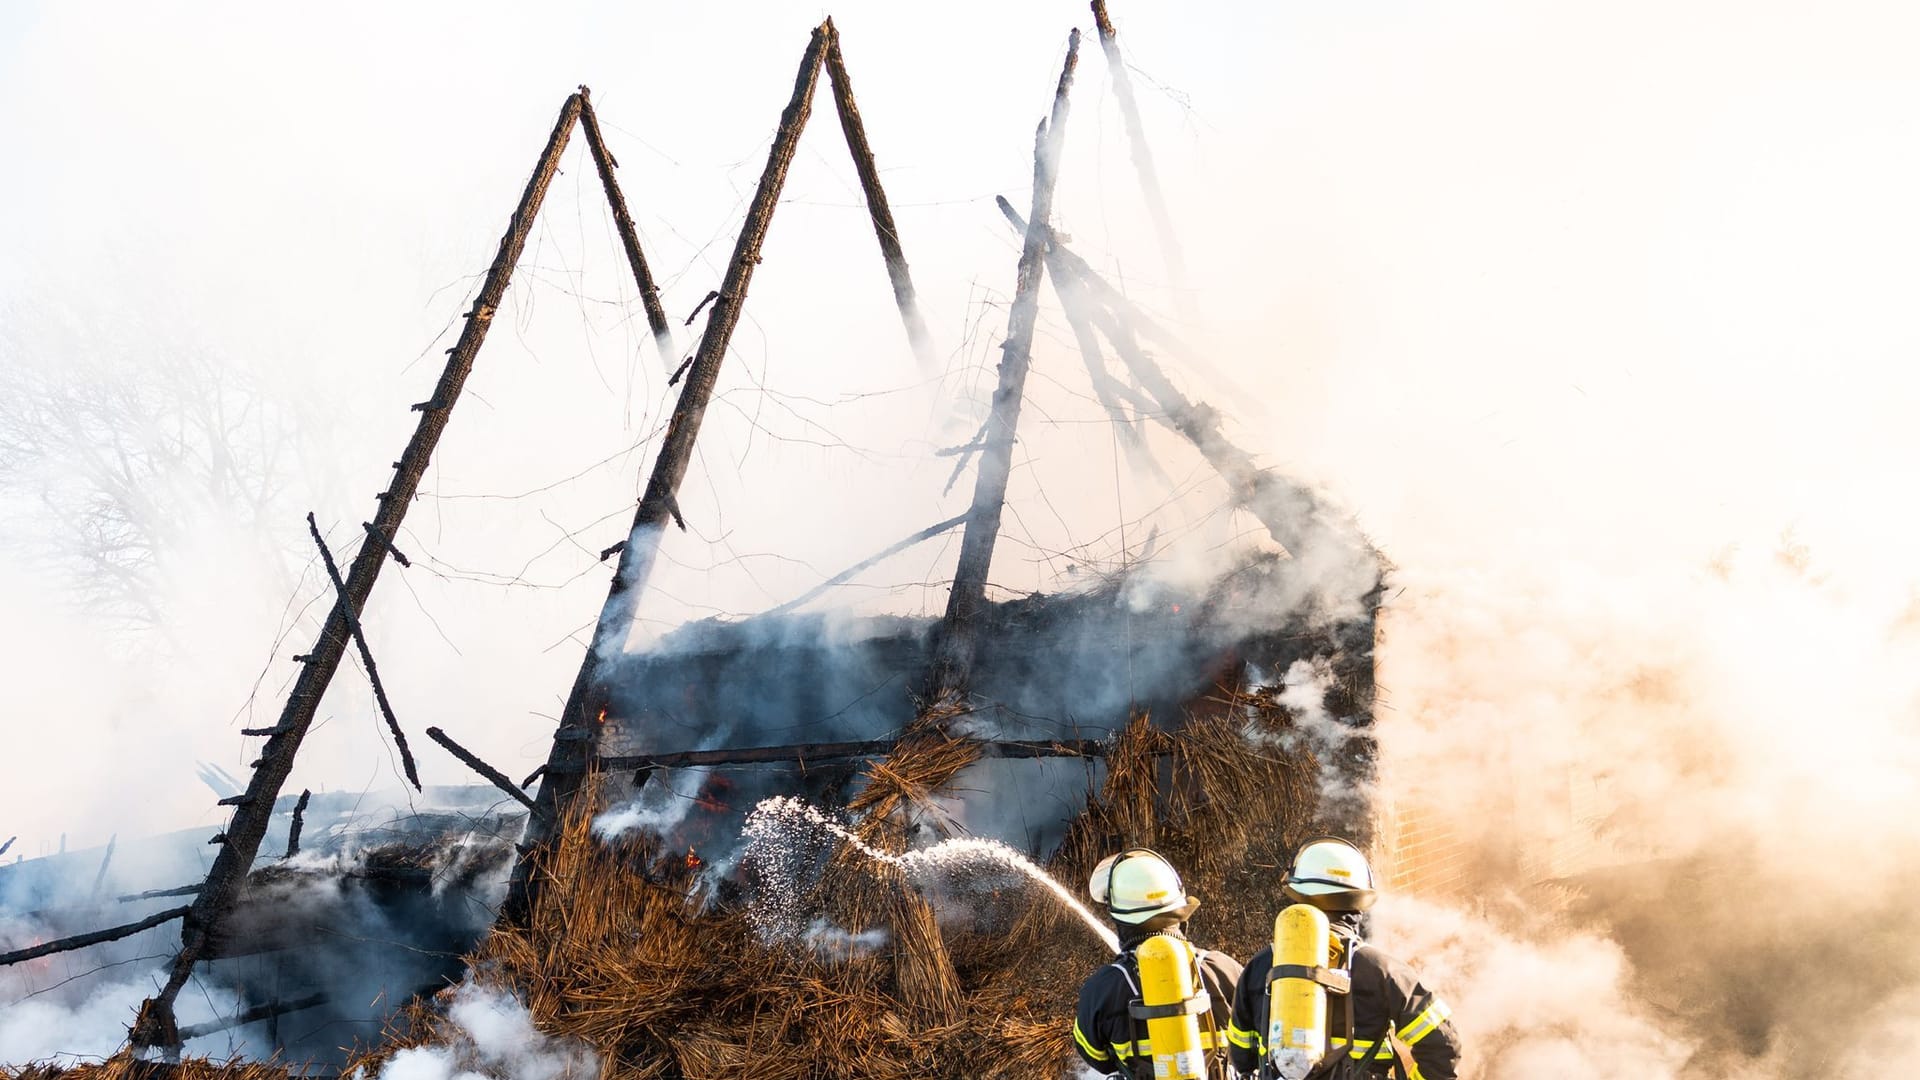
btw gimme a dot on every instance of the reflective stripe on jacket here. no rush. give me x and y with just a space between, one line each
1384 991
1110 1040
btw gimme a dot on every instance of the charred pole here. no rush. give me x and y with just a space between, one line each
572 750
803 753
853 571
472 761
366 655
1291 512
81 941
100 878
155 894
877 207
953 648
603 161
7 843
240 842
299 820
1142 153
254 1015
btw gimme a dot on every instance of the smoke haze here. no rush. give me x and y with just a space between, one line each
1596 317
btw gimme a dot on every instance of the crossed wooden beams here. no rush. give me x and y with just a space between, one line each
156 1026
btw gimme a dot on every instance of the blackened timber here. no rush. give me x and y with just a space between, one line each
366 657
156 1026
629 236
472 761
155 894
877 207
299 820
252 1016
1104 290
97 937
850 572
100 879
568 760
954 645
1142 153
1292 513
806 753
4 845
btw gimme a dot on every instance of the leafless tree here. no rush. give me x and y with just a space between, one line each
110 464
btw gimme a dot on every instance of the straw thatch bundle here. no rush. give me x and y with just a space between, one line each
622 954
618 956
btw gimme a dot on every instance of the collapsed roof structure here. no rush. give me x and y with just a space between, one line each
1172 729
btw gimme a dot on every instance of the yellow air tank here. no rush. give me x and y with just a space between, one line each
1171 1006
1297 990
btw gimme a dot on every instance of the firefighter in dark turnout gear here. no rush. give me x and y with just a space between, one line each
1390 1024
1143 896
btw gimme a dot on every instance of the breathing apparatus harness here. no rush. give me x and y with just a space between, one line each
1338 980
1200 1005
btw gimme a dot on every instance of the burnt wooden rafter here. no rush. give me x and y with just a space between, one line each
954 647
156 1026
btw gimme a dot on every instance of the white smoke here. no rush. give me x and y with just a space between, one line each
87 1020
491 1035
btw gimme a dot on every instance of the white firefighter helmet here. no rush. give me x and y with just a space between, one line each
1332 875
1138 885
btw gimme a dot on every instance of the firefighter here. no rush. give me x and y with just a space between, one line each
1389 1021
1143 896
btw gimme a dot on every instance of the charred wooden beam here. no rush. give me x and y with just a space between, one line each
1142 154
252 1016
629 236
386 541
299 820
494 776
366 657
97 937
569 758
1293 514
155 894
1144 325
156 1026
884 228
7 843
106 860
807 753
954 641
853 571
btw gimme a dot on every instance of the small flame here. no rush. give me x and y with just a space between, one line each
602 718
693 861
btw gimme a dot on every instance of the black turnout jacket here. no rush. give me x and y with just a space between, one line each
1112 1041
1387 996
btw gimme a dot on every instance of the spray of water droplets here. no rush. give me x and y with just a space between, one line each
786 838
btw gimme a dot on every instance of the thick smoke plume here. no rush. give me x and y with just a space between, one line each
1680 797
